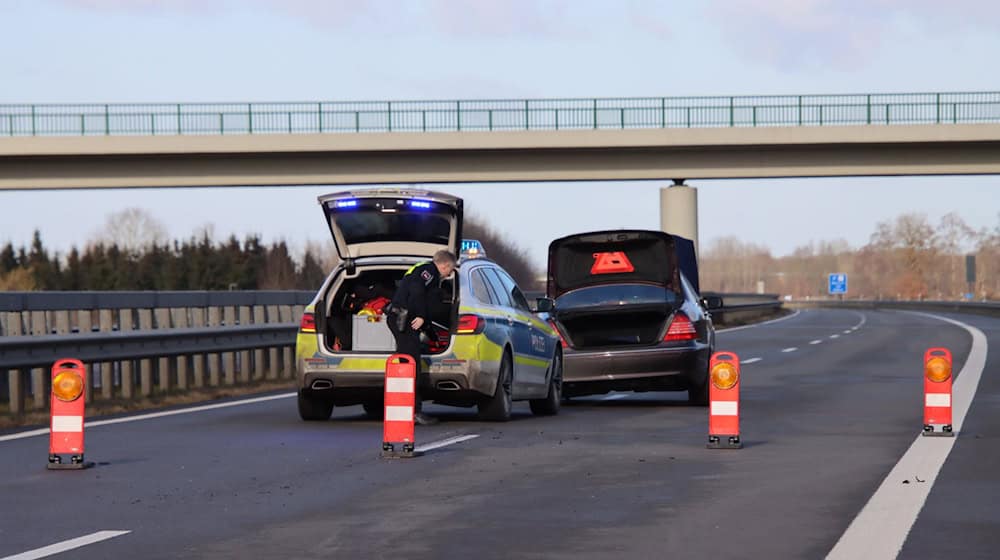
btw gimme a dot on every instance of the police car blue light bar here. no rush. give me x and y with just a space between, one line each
422 204
352 203
472 248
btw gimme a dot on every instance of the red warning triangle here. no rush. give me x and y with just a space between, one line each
611 263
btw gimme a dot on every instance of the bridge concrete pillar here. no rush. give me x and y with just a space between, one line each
679 211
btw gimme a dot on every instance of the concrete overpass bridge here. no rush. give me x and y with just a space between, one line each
247 144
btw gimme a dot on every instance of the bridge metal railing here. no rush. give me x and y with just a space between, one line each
124 119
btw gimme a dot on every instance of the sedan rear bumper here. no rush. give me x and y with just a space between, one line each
658 368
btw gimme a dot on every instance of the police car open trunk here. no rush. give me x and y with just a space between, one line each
618 288
379 235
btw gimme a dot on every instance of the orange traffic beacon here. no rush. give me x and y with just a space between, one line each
69 377
724 401
400 387
937 392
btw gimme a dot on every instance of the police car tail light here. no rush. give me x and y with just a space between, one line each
937 370
470 324
308 324
681 328
562 339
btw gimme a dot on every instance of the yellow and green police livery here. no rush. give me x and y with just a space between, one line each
485 347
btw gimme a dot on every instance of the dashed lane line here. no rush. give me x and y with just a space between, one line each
64 546
787 350
880 530
834 336
817 341
750 361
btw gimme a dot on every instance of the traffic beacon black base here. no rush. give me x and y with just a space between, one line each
75 463
406 451
724 442
945 431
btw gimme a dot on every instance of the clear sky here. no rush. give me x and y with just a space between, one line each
60 51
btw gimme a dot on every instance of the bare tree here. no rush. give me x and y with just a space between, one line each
133 230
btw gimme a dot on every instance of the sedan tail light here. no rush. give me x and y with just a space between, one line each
470 324
308 323
562 339
681 328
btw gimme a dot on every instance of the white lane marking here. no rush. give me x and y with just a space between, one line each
848 331
203 408
750 361
443 442
615 396
787 350
779 319
880 530
864 319
834 336
817 341
63 546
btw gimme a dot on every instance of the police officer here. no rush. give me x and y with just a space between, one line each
410 309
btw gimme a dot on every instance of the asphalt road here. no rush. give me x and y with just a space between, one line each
623 475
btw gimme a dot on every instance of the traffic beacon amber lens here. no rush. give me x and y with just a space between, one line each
724 375
937 369
67 386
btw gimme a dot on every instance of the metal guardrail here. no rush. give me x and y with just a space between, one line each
43 351
115 119
991 308
71 301
744 306
145 343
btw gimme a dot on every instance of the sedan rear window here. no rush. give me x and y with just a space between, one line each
616 294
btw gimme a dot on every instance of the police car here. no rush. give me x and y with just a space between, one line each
485 348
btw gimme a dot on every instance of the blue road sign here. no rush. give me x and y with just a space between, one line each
838 283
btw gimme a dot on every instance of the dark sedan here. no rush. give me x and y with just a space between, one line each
628 309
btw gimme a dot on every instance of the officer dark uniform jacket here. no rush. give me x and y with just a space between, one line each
412 300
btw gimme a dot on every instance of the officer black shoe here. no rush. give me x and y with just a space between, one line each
424 419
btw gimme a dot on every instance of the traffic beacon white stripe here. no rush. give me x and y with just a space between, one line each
64 546
880 530
937 400
400 400
67 423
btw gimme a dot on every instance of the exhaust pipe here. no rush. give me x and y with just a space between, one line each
321 384
448 386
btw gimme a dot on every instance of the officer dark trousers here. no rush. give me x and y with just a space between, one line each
408 342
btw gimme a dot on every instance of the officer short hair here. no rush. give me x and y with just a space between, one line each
445 257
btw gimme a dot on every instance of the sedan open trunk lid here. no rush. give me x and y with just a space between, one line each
620 256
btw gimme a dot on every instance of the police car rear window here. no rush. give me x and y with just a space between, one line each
372 226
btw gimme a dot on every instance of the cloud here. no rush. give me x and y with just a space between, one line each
790 34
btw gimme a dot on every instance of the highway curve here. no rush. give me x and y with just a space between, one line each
832 399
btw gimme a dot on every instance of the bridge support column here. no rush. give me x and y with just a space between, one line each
679 211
